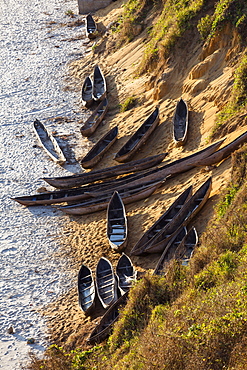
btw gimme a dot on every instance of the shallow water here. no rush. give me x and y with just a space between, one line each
34 54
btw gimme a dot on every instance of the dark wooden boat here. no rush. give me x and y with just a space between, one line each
49 143
163 221
186 248
86 290
185 215
105 173
138 138
106 283
85 192
128 195
91 27
170 250
99 84
89 127
180 123
224 152
126 273
117 230
87 92
97 152
103 329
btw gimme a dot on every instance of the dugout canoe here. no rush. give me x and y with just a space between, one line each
185 215
49 142
91 124
105 173
170 250
99 149
99 84
163 221
103 329
86 290
91 27
116 229
126 273
180 123
128 195
87 92
186 248
106 283
138 138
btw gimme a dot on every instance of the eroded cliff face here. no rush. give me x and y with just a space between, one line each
203 76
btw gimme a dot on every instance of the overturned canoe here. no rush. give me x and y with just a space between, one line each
91 27
128 195
117 230
163 221
89 127
97 152
48 142
99 84
106 283
87 92
86 290
180 123
105 173
138 138
126 273
102 330
185 215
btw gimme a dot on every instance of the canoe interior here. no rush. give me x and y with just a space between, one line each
86 289
106 282
126 273
87 91
89 127
116 222
99 84
180 122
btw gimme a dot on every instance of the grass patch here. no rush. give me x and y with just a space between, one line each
128 104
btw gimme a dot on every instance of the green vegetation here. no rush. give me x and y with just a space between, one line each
128 104
238 100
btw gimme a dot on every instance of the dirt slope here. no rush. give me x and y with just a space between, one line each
203 77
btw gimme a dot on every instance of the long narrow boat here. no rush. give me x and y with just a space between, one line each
185 215
85 192
105 173
97 152
138 138
89 127
170 250
163 221
99 84
117 230
48 142
129 195
224 152
87 92
102 330
180 123
126 273
91 27
106 283
186 248
86 290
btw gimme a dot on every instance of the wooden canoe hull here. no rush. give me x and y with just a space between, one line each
138 139
185 215
101 204
87 92
97 152
102 330
91 124
117 230
91 27
168 215
106 283
86 290
180 123
126 273
49 143
106 173
99 84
